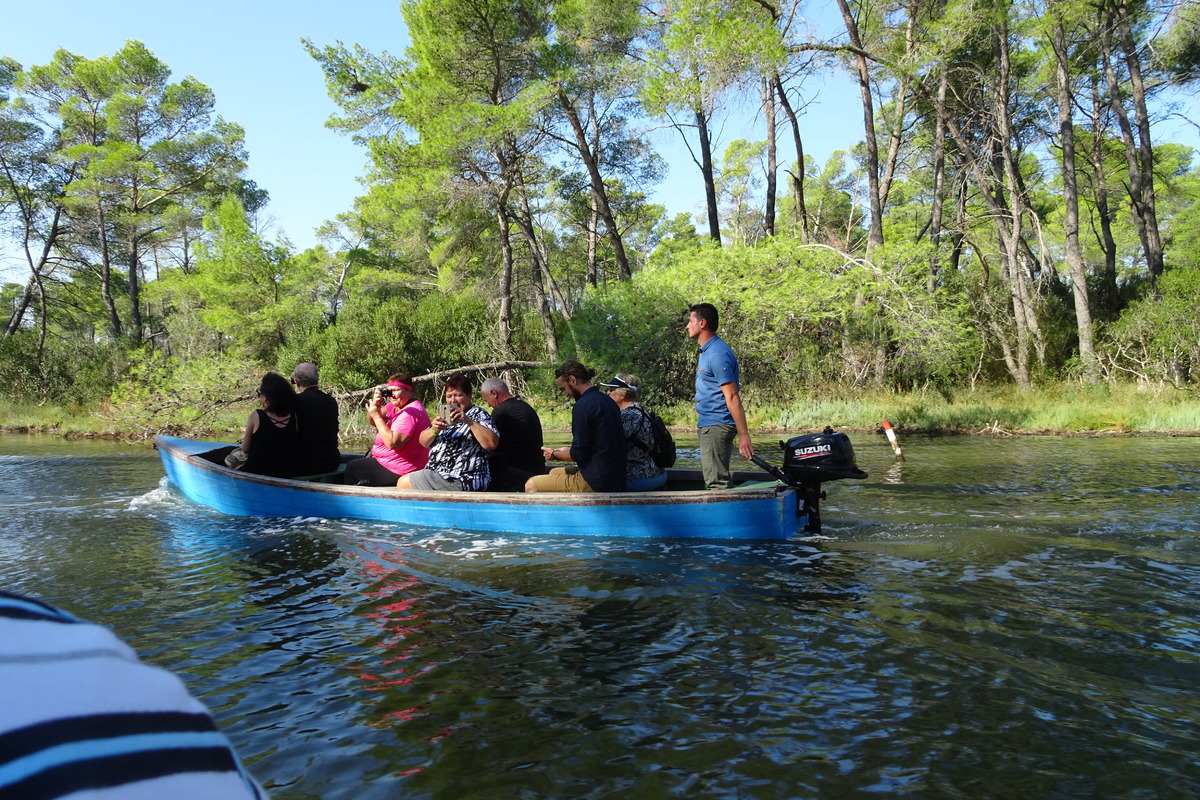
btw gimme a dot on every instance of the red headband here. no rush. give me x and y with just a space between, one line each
399 385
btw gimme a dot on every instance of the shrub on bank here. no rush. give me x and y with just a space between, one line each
1051 409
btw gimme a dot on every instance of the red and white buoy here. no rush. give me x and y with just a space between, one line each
891 435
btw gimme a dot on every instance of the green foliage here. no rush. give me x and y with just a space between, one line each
739 180
793 313
183 398
477 170
829 202
637 326
706 48
365 346
371 341
1182 202
109 160
247 288
1180 50
63 371
1158 337
449 331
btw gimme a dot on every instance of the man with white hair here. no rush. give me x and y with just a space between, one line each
519 455
317 414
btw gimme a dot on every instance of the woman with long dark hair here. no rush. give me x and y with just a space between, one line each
270 441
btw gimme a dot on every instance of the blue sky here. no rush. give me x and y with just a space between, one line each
249 53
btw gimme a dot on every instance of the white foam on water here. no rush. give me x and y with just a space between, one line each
158 498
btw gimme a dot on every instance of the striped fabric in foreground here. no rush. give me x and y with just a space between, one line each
80 714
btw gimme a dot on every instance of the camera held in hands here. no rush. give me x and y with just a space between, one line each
385 391
446 409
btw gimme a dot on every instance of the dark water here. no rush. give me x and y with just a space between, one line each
991 618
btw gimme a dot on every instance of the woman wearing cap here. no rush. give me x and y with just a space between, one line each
641 473
398 426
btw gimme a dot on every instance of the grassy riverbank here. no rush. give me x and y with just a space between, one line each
1064 408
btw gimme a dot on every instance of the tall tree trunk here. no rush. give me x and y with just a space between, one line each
593 232
37 269
537 283
958 239
592 273
1139 165
1149 203
539 271
706 170
1005 216
114 319
1109 301
1010 220
768 101
874 201
939 179
896 134
43 322
135 284
556 294
38 265
591 162
798 176
504 321
23 302
1074 251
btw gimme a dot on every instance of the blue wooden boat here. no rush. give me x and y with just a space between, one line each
758 507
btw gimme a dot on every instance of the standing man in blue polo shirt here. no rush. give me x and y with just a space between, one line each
717 400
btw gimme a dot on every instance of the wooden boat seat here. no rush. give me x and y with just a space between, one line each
678 479
324 477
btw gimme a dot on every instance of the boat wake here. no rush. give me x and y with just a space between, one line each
159 498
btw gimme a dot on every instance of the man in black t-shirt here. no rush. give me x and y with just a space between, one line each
519 455
317 414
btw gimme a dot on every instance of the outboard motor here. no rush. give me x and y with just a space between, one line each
820 457
809 461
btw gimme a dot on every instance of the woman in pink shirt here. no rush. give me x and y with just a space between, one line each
398 424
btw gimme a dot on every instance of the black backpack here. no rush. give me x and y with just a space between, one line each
662 451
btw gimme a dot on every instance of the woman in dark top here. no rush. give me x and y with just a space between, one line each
641 473
271 441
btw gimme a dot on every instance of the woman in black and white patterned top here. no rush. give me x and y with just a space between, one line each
458 446
641 473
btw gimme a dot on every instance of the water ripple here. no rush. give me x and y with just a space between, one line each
988 618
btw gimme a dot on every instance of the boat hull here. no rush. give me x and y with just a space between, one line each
762 510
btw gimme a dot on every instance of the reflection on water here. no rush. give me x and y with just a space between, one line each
989 618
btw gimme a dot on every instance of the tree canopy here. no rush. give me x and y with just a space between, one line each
1005 210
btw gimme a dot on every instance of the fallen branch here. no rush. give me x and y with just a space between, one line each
497 366
493 366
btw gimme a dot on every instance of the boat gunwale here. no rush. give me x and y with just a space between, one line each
654 498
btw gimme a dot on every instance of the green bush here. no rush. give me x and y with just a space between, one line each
797 316
62 371
373 340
